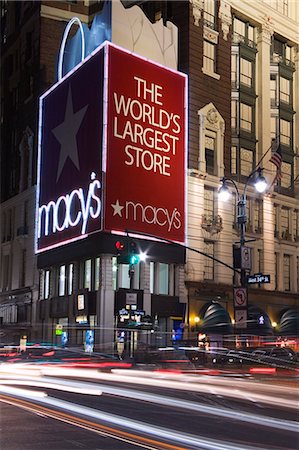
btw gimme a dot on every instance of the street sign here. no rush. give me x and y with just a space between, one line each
131 298
240 297
241 318
258 278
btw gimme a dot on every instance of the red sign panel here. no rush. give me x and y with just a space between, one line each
112 151
146 169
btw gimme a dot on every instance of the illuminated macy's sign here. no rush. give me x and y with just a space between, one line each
71 209
149 214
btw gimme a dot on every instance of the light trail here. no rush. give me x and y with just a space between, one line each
96 389
179 383
137 441
190 441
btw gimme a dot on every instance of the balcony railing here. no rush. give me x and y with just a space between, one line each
240 39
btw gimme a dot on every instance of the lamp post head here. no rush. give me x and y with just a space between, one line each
260 183
223 192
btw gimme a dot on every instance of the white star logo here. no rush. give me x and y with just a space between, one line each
117 208
66 134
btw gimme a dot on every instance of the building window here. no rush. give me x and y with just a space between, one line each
258 216
284 223
260 261
285 90
287 272
209 14
234 114
234 69
209 54
286 173
23 268
273 90
276 270
234 160
246 161
208 270
246 117
210 152
296 225
282 6
246 72
273 127
62 281
275 220
29 46
243 32
285 132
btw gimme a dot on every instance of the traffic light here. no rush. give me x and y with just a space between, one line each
122 252
133 253
120 246
127 252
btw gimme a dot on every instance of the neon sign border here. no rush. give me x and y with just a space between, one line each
62 47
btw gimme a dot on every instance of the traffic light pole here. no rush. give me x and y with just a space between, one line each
131 275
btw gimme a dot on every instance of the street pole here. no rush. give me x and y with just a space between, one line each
242 255
242 220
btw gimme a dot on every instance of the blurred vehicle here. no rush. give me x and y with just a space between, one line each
56 355
169 358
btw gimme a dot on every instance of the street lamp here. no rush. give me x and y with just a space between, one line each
260 185
243 253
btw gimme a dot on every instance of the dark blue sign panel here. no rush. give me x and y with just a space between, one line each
70 156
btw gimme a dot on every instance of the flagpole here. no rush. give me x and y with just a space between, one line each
270 148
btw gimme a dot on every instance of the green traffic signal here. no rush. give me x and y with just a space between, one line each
134 259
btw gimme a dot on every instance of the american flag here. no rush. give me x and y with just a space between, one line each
276 159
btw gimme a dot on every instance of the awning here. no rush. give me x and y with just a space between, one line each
289 323
215 319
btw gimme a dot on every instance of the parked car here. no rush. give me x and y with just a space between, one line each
276 356
273 356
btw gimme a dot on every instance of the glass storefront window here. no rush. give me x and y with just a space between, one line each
114 273
47 284
97 274
61 281
152 277
70 279
163 278
87 274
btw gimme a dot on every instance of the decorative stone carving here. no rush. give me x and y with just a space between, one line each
212 116
225 16
197 6
210 35
213 225
266 29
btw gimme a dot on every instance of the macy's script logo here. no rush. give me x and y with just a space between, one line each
148 214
